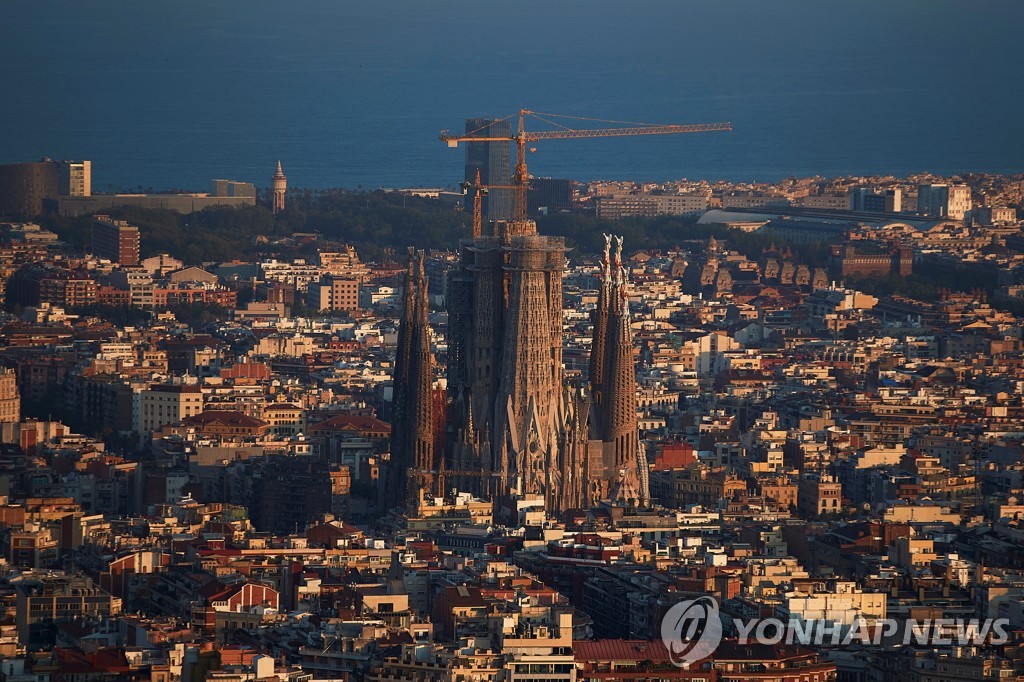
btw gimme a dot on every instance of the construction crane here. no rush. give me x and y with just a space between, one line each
520 177
442 475
480 191
478 202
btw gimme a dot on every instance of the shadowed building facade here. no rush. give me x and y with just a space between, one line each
26 187
411 474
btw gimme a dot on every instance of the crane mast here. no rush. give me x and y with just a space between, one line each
480 190
520 176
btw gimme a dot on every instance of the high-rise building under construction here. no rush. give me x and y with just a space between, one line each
494 161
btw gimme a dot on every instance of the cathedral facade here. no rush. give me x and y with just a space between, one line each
515 429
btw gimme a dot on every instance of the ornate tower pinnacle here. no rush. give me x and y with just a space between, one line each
280 185
422 302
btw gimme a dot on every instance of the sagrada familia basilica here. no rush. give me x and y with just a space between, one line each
511 427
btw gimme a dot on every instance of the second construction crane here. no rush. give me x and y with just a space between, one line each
520 177
480 190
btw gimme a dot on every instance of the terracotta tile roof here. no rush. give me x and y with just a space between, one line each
353 423
621 650
733 651
223 418
104 660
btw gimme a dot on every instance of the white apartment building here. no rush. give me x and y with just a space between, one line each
161 404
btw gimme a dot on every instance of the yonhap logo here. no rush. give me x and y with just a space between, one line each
692 630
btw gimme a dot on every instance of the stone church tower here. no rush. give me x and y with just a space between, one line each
618 469
505 363
411 471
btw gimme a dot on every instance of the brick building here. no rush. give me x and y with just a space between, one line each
333 293
115 240
34 284
846 261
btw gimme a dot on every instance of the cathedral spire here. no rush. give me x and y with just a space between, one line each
620 404
409 290
619 379
600 321
400 416
420 398
422 304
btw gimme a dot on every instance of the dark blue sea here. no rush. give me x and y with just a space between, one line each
169 94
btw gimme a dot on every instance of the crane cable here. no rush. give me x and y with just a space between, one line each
541 116
537 114
488 125
557 125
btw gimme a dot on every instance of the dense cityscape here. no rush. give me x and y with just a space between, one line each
512 455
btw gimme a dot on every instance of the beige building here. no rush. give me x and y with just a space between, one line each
820 495
344 262
535 649
752 200
625 205
763 576
10 399
75 178
920 513
333 293
913 554
43 599
964 666
944 201
842 602
285 419
162 404
881 456
161 265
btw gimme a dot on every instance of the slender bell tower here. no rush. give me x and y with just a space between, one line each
412 468
623 450
395 483
280 187
420 398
